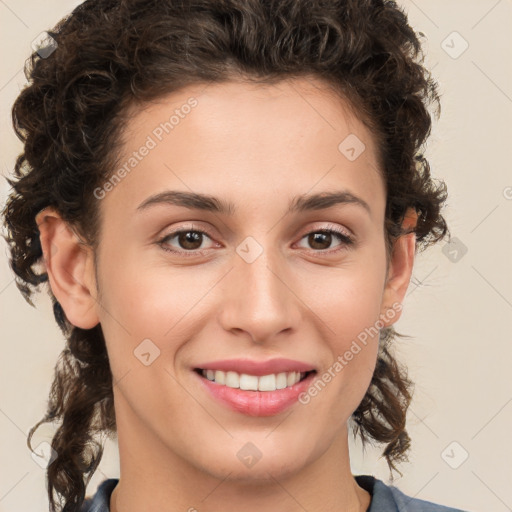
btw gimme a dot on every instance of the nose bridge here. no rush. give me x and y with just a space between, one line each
258 299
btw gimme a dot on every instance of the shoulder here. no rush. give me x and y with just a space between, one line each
100 502
416 505
387 498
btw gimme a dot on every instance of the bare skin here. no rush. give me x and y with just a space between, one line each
257 147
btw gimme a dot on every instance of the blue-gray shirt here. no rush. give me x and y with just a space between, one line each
385 498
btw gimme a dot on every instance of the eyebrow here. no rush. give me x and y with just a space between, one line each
302 203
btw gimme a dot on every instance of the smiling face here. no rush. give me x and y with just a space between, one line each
256 274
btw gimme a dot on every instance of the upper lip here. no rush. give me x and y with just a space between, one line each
258 368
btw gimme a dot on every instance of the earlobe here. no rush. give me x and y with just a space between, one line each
400 269
69 263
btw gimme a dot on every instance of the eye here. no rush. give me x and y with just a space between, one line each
321 239
189 241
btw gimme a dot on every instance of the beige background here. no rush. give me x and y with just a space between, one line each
457 312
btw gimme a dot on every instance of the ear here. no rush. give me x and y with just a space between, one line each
70 266
399 270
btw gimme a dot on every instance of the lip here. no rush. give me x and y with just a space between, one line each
256 403
257 368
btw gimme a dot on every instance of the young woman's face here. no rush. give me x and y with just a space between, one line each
257 280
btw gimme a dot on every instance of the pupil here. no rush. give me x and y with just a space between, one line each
319 238
190 237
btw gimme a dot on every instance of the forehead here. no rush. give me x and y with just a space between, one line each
232 138
302 105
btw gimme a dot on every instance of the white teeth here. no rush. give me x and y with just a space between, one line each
281 380
270 382
232 380
249 382
220 377
267 383
292 378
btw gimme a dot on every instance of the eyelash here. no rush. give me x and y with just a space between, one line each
347 240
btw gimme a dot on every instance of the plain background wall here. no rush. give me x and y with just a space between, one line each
458 307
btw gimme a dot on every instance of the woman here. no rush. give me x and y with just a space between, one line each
226 198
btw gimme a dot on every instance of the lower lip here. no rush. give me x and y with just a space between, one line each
257 403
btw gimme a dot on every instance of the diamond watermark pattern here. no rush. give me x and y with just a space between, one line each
454 45
249 454
249 250
146 352
44 44
351 147
44 454
454 455
454 250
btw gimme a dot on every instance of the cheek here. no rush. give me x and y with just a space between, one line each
154 302
347 306
347 299
354 317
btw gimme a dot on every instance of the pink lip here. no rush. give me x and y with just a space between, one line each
258 368
256 403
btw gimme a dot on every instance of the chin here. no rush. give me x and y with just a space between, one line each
246 464
262 473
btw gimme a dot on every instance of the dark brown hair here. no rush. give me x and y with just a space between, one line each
113 54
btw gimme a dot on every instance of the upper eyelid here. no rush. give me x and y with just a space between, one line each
343 231
325 227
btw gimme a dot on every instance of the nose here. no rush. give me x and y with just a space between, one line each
258 298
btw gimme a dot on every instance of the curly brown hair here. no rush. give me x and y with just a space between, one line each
112 54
